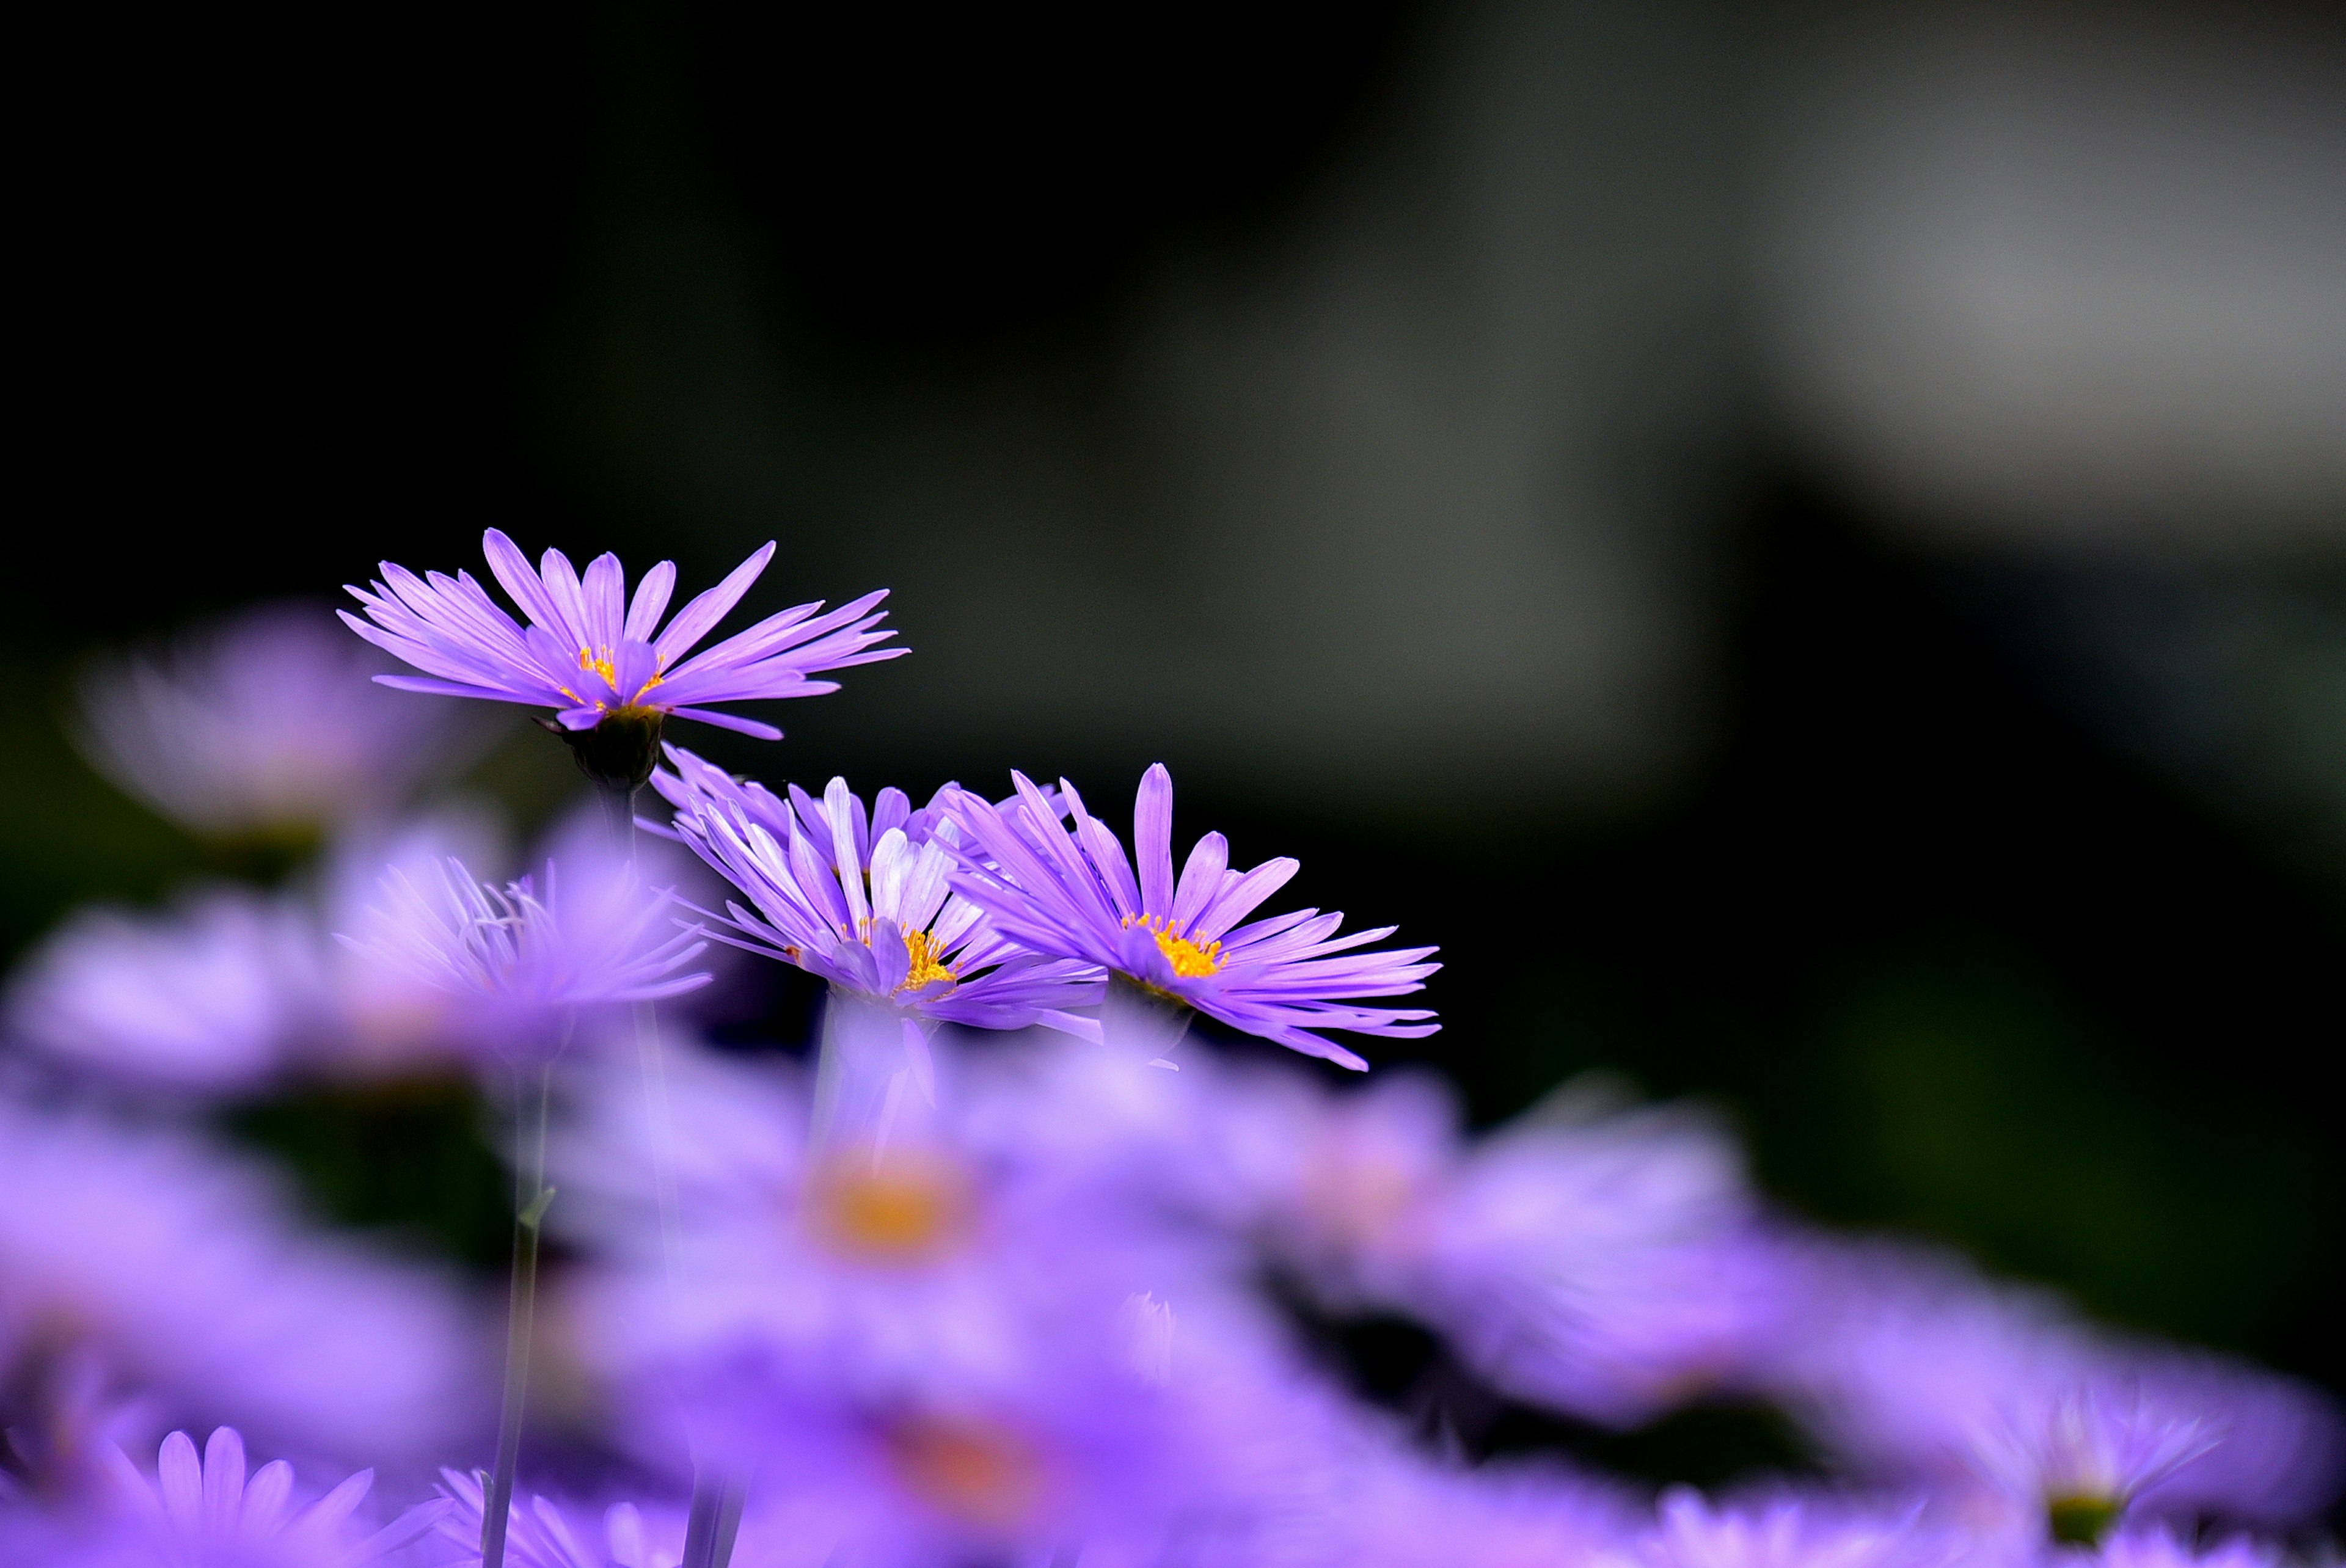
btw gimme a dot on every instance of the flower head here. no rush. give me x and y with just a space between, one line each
2084 1453
530 955
261 727
544 1535
1788 1531
204 1513
1071 892
603 661
863 900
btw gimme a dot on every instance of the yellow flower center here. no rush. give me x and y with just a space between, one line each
926 958
905 1210
604 662
975 1472
1189 961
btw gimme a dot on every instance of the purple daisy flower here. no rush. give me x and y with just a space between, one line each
602 661
211 996
864 901
206 1511
262 726
1072 893
2160 1547
527 962
545 1535
1916 1369
1791 1531
925 1352
2085 1453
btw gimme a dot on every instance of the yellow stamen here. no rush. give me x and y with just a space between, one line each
927 961
605 663
1189 961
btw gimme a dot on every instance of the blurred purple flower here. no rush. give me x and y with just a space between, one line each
934 1357
2084 1454
1914 1368
864 902
264 725
182 1276
542 1535
213 996
524 963
1791 1530
2160 1547
1072 893
590 653
232 991
204 1513
1603 1265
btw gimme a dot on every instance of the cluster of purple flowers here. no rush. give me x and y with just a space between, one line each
1007 1273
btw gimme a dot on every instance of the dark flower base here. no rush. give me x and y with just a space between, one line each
621 751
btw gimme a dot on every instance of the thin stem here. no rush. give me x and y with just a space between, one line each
618 816
715 1501
531 1196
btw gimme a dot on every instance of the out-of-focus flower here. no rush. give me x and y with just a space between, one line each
1072 893
211 996
180 1274
1914 1368
1588 1258
605 664
204 1513
542 1535
864 901
2160 1547
939 1359
1606 1267
1792 1530
262 727
232 991
2085 1454
524 961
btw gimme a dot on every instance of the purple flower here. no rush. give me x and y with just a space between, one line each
524 960
864 901
2160 1547
2084 1453
592 655
262 726
231 990
173 1272
206 1513
1072 893
212 996
1790 1531
544 1535
933 1357
1603 1265
1916 1369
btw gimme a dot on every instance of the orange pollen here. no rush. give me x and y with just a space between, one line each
905 1211
1189 961
982 1474
927 963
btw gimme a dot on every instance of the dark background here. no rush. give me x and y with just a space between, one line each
1982 861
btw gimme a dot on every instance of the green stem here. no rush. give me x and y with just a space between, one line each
531 1196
